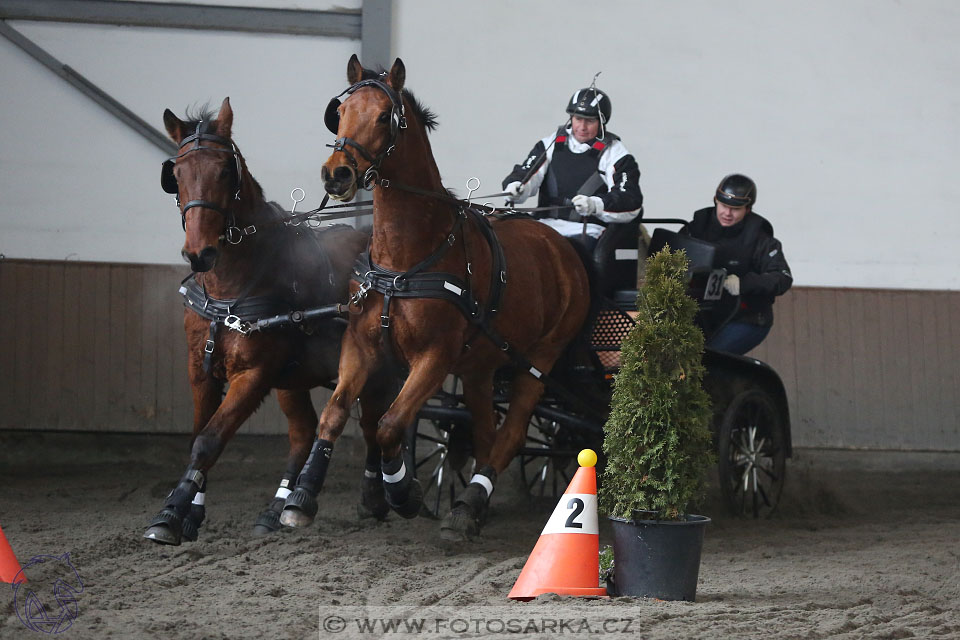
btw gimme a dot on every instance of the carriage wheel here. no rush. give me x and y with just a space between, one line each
440 451
549 458
752 455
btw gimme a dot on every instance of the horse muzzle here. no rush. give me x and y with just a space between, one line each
341 184
203 261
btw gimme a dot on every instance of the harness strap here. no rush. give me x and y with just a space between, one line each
419 283
209 347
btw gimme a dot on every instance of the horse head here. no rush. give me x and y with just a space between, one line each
366 123
207 176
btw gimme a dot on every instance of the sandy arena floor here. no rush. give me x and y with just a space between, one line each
864 546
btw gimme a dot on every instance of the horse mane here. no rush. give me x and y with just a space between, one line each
423 113
195 114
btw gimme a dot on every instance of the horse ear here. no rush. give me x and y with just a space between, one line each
398 75
174 126
354 70
225 118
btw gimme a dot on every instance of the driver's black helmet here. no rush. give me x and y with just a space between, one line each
737 190
590 103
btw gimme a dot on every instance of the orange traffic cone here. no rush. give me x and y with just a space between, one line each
9 567
566 557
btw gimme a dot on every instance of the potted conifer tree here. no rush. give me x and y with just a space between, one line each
658 442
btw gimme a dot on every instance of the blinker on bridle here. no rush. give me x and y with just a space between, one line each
398 120
169 182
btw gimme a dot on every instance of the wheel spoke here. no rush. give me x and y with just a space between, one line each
441 451
434 439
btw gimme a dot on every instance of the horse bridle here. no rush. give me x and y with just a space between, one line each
169 182
398 120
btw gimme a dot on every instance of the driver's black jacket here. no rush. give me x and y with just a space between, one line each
749 250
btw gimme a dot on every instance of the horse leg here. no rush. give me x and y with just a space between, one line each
356 365
207 395
465 518
246 392
374 401
401 487
302 420
470 506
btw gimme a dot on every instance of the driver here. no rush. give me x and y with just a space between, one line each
583 165
757 270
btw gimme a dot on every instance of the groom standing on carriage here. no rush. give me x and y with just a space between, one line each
582 170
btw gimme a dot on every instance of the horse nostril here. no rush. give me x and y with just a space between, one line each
324 174
207 258
343 174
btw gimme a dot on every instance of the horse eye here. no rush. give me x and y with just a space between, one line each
224 173
384 117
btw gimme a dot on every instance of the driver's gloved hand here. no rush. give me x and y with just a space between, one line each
516 191
732 284
587 205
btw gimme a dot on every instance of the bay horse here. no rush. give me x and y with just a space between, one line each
248 264
442 290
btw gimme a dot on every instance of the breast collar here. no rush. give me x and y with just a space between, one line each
418 282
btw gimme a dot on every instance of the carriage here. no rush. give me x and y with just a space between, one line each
751 422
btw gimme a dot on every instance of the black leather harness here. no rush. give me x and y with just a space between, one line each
418 282
246 314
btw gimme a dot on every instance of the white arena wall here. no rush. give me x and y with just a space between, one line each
843 112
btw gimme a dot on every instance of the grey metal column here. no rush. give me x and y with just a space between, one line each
376 23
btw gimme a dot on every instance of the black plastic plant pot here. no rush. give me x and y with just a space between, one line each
657 558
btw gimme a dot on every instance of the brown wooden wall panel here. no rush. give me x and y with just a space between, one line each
88 346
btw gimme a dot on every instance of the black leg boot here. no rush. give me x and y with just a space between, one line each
300 506
167 526
401 489
470 507
196 515
269 519
373 504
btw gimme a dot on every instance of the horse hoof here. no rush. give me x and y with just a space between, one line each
299 509
372 502
162 535
409 508
166 528
460 525
269 519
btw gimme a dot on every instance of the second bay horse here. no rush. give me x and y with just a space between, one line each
248 264
443 290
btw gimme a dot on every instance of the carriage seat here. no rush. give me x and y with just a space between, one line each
700 253
616 257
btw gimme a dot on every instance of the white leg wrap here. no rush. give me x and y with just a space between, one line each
282 492
398 476
483 481
199 498
370 474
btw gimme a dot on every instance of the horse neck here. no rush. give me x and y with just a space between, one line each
408 227
239 264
